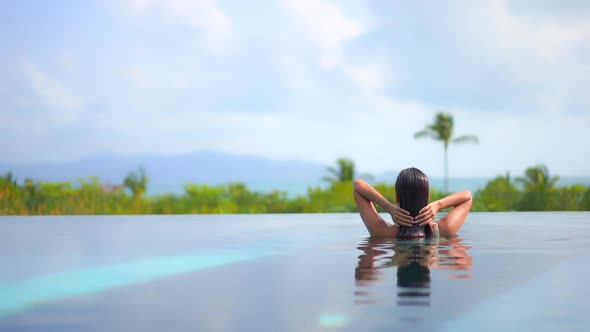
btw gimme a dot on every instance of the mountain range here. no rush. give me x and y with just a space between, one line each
171 173
200 167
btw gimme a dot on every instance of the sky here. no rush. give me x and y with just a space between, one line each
299 79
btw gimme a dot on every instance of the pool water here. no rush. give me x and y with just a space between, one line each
305 272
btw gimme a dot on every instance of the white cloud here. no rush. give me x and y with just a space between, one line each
169 72
139 5
370 77
340 90
331 27
327 26
375 121
531 51
215 29
139 77
43 105
298 76
376 131
67 63
52 95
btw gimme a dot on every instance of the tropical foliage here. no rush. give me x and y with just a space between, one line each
499 194
442 130
136 182
538 191
345 171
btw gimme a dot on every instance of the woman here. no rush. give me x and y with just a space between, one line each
413 217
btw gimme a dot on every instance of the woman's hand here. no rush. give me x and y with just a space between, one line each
401 216
427 215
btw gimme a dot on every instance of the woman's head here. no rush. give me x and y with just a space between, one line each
412 191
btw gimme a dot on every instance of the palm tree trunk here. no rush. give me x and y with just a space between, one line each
446 170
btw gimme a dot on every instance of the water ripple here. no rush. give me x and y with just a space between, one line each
413 261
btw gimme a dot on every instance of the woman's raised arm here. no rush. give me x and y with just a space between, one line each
365 195
449 224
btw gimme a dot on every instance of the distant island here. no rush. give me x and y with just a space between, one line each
207 166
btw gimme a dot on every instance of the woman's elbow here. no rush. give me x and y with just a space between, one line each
469 198
358 184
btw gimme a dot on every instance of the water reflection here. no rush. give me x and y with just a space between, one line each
413 259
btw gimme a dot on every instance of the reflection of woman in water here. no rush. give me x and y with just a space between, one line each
413 217
413 260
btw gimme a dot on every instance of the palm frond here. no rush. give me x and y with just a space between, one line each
466 139
333 171
328 179
552 181
428 132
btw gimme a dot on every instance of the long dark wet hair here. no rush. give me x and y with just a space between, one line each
412 190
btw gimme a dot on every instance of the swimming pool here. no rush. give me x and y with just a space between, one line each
506 271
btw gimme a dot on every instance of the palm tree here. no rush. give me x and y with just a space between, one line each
343 172
537 179
9 178
442 130
136 182
537 185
